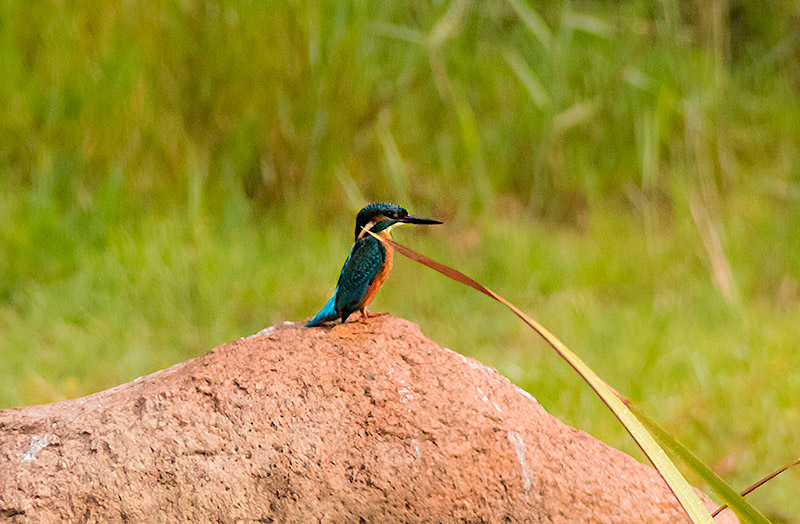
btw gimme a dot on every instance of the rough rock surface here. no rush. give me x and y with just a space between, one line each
355 423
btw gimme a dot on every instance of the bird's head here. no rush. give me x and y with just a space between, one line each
379 216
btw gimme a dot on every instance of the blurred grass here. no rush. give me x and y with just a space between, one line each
178 174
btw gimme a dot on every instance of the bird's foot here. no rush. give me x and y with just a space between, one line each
366 315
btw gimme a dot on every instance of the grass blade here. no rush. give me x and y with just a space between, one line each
678 485
396 168
529 79
589 24
574 116
758 485
745 511
534 22
400 32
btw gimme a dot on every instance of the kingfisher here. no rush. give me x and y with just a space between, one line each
369 263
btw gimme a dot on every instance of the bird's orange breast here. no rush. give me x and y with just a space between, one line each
382 275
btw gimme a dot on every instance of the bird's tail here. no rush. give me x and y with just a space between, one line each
327 313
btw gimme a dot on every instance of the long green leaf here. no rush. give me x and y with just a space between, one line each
745 511
680 487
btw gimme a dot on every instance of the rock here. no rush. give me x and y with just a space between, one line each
355 423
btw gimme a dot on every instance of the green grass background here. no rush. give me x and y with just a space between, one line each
175 175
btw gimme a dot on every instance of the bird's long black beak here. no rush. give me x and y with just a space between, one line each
417 220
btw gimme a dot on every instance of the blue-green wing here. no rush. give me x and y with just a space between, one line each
359 271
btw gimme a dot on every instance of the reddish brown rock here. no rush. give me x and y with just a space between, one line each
355 423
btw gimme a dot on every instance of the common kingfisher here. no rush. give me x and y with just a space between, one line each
369 263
